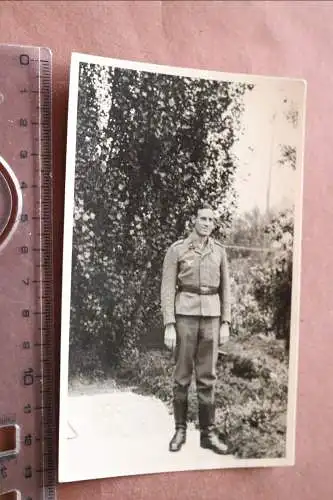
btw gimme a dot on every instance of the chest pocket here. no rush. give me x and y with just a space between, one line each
189 264
210 269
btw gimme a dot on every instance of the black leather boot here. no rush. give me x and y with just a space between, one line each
208 436
179 437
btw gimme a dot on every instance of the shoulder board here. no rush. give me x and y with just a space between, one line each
178 242
218 243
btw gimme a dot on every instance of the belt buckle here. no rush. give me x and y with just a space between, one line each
204 289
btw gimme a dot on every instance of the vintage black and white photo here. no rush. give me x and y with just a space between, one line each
181 270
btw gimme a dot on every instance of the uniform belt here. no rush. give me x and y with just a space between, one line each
199 290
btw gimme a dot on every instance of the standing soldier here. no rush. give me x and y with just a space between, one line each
195 299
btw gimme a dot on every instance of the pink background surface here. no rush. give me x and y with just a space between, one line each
278 38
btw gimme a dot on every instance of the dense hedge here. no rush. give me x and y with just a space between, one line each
150 149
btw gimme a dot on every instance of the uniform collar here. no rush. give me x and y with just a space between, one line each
194 242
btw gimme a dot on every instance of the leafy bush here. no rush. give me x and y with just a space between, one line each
272 282
150 149
251 396
261 283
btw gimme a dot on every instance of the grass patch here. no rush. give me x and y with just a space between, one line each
251 392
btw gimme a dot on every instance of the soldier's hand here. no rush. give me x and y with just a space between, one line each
224 333
170 336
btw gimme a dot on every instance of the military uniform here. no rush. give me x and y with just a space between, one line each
195 296
188 268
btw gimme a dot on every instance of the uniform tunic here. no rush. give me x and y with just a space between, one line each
188 265
188 269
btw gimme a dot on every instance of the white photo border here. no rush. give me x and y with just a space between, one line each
76 60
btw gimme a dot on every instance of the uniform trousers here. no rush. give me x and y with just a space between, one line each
196 350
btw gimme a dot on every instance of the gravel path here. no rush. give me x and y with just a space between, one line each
122 433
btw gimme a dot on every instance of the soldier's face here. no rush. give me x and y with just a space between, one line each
204 223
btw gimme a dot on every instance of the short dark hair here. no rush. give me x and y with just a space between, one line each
205 206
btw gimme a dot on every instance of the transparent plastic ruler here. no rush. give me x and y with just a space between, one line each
28 444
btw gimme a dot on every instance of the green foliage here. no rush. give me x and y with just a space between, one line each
273 281
247 230
150 149
252 397
261 281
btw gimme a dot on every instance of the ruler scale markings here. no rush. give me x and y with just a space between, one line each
29 74
48 309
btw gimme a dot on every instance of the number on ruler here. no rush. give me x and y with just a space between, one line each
26 344
23 185
27 409
28 440
24 249
25 313
23 154
26 281
24 59
28 377
23 122
24 217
